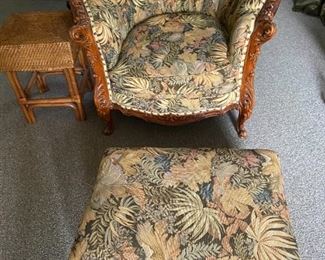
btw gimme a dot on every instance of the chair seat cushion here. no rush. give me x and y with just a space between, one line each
154 203
175 64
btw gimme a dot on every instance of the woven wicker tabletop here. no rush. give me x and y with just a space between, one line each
36 41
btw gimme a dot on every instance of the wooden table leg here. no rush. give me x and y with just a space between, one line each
37 79
30 83
41 83
84 70
74 92
21 96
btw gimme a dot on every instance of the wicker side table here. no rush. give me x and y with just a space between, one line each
39 42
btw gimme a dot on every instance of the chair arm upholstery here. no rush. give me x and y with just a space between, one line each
241 18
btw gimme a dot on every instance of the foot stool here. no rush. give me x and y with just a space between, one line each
39 42
157 203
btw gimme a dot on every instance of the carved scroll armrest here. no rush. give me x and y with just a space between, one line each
82 34
264 23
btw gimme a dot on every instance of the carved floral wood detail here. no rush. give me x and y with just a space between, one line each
264 30
81 33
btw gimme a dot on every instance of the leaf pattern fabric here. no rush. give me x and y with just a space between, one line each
113 19
177 57
175 64
182 203
239 18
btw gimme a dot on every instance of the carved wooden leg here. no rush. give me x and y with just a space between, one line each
246 104
109 123
241 130
245 112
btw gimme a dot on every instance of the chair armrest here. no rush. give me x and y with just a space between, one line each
81 33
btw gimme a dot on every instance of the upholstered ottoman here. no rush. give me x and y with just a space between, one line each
157 203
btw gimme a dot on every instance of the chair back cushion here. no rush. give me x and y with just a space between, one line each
112 20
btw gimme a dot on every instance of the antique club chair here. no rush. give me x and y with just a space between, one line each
173 61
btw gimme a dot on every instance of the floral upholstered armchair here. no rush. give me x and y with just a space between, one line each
173 61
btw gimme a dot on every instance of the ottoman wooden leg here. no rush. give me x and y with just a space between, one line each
74 92
21 97
109 128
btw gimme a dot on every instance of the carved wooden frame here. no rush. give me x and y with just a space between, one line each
264 30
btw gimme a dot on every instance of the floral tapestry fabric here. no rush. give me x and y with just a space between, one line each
113 19
239 18
175 64
115 22
160 203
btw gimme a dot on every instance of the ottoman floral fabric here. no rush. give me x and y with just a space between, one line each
154 203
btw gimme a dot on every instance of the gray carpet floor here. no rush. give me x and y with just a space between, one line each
47 169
